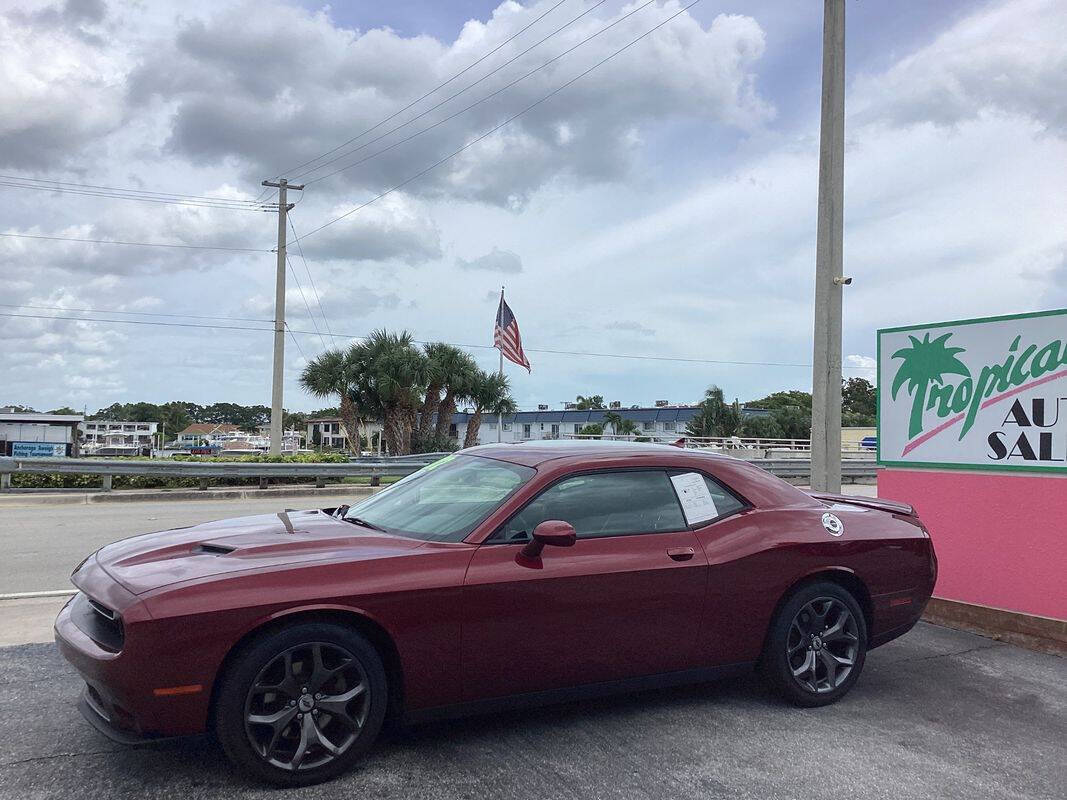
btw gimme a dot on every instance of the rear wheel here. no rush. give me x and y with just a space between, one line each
302 705
816 645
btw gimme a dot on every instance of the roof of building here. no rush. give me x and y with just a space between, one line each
209 427
32 416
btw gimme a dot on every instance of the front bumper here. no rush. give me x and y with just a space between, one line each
96 715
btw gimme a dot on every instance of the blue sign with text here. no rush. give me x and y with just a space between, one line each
38 449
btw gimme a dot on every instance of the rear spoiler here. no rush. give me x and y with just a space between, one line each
891 506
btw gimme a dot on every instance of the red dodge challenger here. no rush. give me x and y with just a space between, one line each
497 576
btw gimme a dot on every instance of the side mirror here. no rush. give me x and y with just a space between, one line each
554 532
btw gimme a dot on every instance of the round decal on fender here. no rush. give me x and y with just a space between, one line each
833 524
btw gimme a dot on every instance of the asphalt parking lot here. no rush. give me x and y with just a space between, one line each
937 714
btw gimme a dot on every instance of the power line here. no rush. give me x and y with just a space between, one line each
126 190
493 130
138 313
627 356
434 89
471 86
472 105
137 322
116 196
135 244
300 250
297 343
304 298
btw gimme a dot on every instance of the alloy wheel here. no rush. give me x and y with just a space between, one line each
822 645
307 706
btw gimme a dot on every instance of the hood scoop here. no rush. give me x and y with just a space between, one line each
212 549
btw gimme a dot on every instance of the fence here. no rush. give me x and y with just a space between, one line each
796 469
728 443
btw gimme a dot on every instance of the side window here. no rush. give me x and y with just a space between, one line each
602 504
724 501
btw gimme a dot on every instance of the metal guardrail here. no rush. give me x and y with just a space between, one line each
789 468
108 468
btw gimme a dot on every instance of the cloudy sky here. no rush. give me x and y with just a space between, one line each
661 205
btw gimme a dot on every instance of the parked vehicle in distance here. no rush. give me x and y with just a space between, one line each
501 575
869 443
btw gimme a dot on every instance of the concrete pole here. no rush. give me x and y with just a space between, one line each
279 320
826 371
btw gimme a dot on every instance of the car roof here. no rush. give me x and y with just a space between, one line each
759 487
535 452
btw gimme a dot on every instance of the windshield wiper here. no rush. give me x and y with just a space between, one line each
362 522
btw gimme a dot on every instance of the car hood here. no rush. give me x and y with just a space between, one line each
154 560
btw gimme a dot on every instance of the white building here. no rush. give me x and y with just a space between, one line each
329 433
27 433
107 437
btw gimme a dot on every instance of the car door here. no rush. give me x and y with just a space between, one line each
625 600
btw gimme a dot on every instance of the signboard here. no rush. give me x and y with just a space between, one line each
980 394
38 450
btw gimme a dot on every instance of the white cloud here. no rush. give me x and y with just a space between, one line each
496 260
1007 58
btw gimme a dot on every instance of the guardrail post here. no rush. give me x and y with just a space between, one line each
105 484
203 484
320 482
375 480
262 481
5 481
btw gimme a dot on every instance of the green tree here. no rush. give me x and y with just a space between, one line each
592 403
762 428
491 394
792 398
715 417
619 425
335 373
859 401
795 423
393 374
457 382
592 429
63 410
923 363
447 368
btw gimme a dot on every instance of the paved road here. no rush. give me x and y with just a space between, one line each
938 714
42 544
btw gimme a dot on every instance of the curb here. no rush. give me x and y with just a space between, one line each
140 496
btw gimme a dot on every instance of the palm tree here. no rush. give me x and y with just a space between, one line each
715 416
458 382
490 394
619 426
443 363
335 373
592 402
925 362
394 373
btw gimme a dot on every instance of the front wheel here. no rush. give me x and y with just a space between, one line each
301 705
816 645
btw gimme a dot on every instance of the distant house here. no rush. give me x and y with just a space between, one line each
329 433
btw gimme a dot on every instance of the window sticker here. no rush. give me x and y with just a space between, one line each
697 502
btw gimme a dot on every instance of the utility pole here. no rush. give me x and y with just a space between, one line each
826 365
279 318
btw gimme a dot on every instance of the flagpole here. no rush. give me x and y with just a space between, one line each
500 416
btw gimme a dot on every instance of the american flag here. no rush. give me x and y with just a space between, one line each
506 336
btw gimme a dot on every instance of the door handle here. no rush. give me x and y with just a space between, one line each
681 553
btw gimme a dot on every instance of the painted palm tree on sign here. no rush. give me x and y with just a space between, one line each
925 362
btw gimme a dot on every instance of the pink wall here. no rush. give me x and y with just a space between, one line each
1001 539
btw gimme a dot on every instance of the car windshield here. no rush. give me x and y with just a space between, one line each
444 501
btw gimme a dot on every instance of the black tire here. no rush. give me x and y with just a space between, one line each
795 642
300 677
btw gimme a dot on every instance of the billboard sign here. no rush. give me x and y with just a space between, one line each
38 450
985 394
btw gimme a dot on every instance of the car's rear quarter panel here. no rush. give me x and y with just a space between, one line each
757 556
